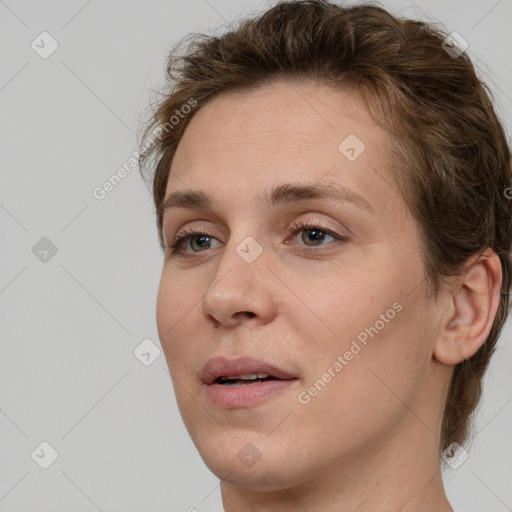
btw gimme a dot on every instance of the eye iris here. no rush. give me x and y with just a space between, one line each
317 236
202 237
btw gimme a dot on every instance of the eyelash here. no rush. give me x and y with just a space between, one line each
185 235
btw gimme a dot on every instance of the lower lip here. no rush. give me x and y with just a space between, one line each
247 394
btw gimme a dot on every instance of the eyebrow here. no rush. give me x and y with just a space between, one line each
282 194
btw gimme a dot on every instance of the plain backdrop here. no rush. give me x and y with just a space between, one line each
79 275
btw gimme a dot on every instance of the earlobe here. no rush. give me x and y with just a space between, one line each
474 302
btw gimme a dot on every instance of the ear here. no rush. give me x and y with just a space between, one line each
474 301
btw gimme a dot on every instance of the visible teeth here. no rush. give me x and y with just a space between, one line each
252 376
249 376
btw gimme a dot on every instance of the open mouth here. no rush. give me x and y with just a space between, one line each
244 380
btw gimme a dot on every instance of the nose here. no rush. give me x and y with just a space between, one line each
240 291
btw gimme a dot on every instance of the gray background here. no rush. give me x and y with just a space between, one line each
70 324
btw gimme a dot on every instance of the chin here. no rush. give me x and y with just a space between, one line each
243 464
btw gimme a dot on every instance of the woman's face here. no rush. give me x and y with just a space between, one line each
339 308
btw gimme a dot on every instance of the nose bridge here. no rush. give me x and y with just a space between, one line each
239 264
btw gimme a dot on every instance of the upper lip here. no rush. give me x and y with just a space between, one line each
224 367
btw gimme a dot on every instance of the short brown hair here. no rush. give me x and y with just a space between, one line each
452 158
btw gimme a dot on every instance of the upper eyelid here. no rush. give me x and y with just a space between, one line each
184 234
315 221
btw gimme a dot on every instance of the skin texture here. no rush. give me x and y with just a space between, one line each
368 441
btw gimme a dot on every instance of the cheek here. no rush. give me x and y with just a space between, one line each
381 335
177 294
367 396
174 311
167 309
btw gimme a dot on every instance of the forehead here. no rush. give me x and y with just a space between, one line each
293 118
